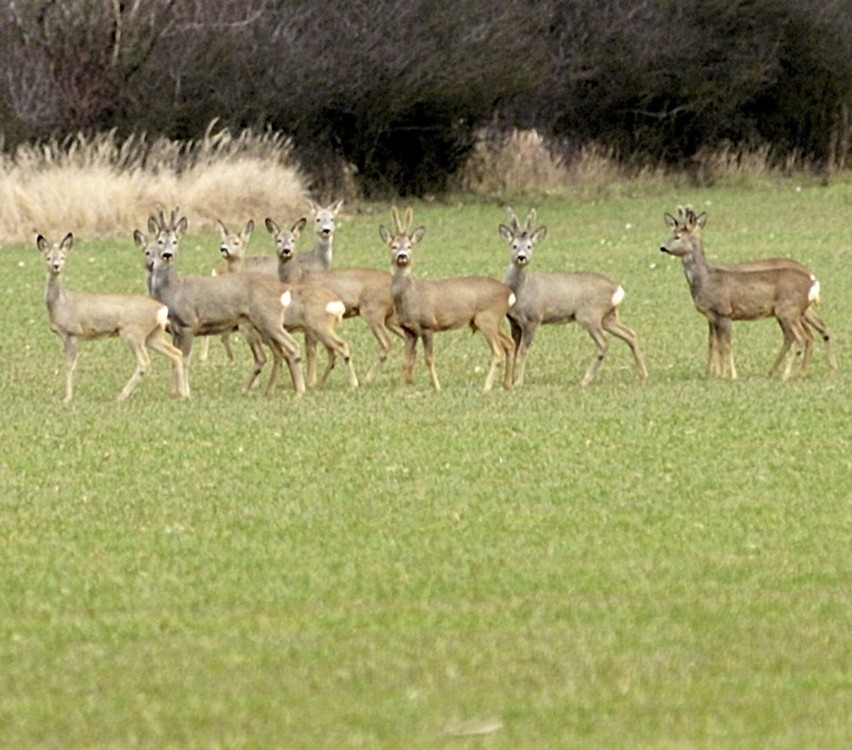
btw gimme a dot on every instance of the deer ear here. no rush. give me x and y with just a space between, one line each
249 228
671 221
417 235
182 226
299 226
538 235
385 234
41 243
336 206
67 241
153 226
701 220
222 228
271 226
505 232
140 239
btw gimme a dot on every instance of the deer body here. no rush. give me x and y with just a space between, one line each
314 311
589 299
208 305
365 292
811 317
725 294
76 316
424 308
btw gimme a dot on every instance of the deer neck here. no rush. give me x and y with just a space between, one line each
163 282
401 281
695 266
323 251
516 277
55 292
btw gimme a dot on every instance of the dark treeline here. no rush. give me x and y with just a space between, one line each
399 87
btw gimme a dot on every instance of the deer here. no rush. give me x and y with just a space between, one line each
589 299
726 294
811 318
316 310
366 292
77 316
210 305
424 308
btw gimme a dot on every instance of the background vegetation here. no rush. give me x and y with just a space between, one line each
629 565
395 93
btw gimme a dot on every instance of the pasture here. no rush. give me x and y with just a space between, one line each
652 565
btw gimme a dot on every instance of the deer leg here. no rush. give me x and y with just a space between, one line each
523 334
818 324
612 324
408 358
335 345
508 346
793 335
311 358
204 349
288 348
428 354
596 332
143 363
712 368
71 353
785 347
380 331
727 369
156 342
253 339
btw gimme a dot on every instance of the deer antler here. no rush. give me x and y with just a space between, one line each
513 218
530 219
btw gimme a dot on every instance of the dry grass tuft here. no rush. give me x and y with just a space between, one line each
103 186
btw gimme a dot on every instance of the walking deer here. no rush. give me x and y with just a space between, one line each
75 317
811 318
425 308
366 292
589 299
724 295
209 305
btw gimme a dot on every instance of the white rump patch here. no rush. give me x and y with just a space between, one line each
336 308
618 296
163 317
286 299
512 299
813 294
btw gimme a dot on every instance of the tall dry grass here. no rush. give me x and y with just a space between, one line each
513 163
103 186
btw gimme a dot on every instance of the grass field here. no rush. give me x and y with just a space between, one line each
658 565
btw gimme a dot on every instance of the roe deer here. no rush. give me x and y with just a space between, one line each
76 316
425 308
366 292
811 318
589 299
724 295
316 310
207 305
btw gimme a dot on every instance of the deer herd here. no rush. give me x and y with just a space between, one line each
268 299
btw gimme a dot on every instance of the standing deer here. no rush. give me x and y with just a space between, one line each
811 318
366 292
589 299
208 305
724 295
425 308
76 317
316 310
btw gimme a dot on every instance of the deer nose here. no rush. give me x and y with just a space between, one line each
663 249
224 251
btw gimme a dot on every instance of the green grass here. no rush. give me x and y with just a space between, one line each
649 566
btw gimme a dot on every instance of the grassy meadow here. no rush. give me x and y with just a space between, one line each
657 565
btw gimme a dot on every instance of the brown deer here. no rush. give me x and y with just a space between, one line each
811 318
210 305
366 292
724 295
316 310
424 308
589 299
76 317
